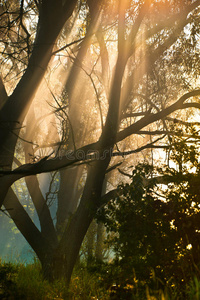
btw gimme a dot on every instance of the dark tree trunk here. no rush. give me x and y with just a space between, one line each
65 255
53 16
60 260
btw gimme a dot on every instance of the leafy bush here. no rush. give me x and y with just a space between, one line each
152 227
8 273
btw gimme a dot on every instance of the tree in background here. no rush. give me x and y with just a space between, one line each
115 75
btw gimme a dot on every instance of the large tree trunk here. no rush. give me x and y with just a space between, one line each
66 254
53 15
16 107
58 261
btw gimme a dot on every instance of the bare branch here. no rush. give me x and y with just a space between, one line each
148 146
143 122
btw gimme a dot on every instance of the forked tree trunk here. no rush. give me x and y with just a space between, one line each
59 260
62 262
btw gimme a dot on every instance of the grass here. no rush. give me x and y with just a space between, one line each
18 281
25 282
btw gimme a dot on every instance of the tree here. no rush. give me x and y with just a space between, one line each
124 77
155 221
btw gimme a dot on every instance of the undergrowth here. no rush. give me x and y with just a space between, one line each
25 282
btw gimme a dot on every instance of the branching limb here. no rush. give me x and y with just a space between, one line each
143 122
